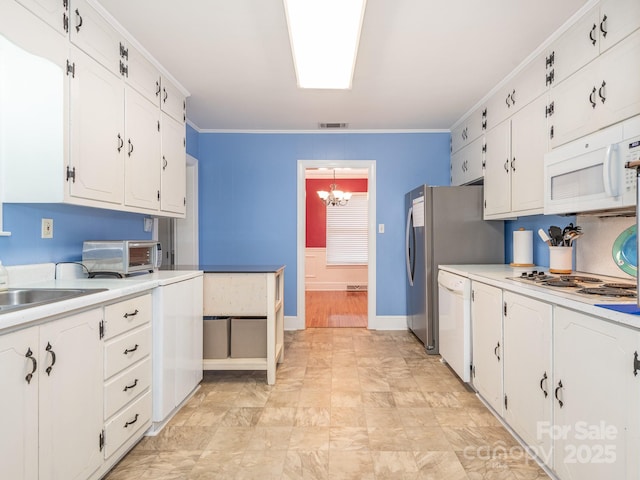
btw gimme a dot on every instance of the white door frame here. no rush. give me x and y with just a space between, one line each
370 165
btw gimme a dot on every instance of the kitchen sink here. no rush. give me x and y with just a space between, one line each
19 298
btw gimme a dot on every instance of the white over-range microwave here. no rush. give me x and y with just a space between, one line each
589 174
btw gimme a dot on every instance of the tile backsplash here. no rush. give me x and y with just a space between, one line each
594 248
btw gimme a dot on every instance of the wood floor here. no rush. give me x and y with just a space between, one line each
336 309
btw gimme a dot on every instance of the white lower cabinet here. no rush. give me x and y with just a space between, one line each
596 396
76 392
486 327
19 374
127 373
51 400
177 349
528 388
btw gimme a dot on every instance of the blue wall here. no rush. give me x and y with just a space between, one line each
248 197
71 226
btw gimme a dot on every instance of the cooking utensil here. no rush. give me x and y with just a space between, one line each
571 236
543 235
556 235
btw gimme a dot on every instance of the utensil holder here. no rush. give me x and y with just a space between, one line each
561 260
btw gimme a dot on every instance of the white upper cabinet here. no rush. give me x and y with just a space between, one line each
514 164
604 92
143 75
54 12
98 142
525 87
28 45
96 147
173 196
598 30
172 101
467 163
95 36
469 130
142 158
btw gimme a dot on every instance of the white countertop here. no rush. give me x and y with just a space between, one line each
116 288
498 276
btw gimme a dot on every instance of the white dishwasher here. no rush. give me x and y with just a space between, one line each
454 306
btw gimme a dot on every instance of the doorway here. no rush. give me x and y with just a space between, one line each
339 295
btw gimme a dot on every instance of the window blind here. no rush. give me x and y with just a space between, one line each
347 232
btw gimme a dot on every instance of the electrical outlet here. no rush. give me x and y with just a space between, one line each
381 228
47 228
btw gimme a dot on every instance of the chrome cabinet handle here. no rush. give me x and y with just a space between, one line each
120 143
131 350
135 312
130 147
34 365
164 163
513 164
166 95
49 349
506 166
495 351
157 88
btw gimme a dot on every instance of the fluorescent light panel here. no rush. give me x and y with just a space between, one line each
324 38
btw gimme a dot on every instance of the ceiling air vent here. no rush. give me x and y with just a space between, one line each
333 125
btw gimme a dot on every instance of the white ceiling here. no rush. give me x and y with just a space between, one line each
422 64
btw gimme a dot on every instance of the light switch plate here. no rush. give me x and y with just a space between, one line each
148 224
47 228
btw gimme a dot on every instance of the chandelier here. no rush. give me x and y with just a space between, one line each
334 197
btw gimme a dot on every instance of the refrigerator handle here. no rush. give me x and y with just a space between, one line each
409 256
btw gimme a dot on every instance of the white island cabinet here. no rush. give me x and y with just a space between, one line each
248 291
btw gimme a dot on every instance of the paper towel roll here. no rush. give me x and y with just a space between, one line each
522 247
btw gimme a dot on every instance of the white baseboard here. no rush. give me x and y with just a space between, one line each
387 322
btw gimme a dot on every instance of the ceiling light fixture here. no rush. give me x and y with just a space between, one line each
324 37
334 197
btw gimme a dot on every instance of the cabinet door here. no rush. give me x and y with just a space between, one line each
457 167
576 47
597 431
94 35
71 396
97 131
486 318
54 12
618 82
174 166
19 404
618 18
527 369
172 101
143 76
142 175
575 104
497 173
528 145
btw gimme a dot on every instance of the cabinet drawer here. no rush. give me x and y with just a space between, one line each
126 386
136 417
123 316
126 350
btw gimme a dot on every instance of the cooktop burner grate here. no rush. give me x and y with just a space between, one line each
580 278
625 286
560 283
608 292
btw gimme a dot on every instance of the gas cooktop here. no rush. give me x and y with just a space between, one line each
585 285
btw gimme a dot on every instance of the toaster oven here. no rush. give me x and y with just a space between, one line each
121 257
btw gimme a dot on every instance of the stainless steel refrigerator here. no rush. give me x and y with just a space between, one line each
444 226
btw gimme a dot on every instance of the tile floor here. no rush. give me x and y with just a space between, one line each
348 404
